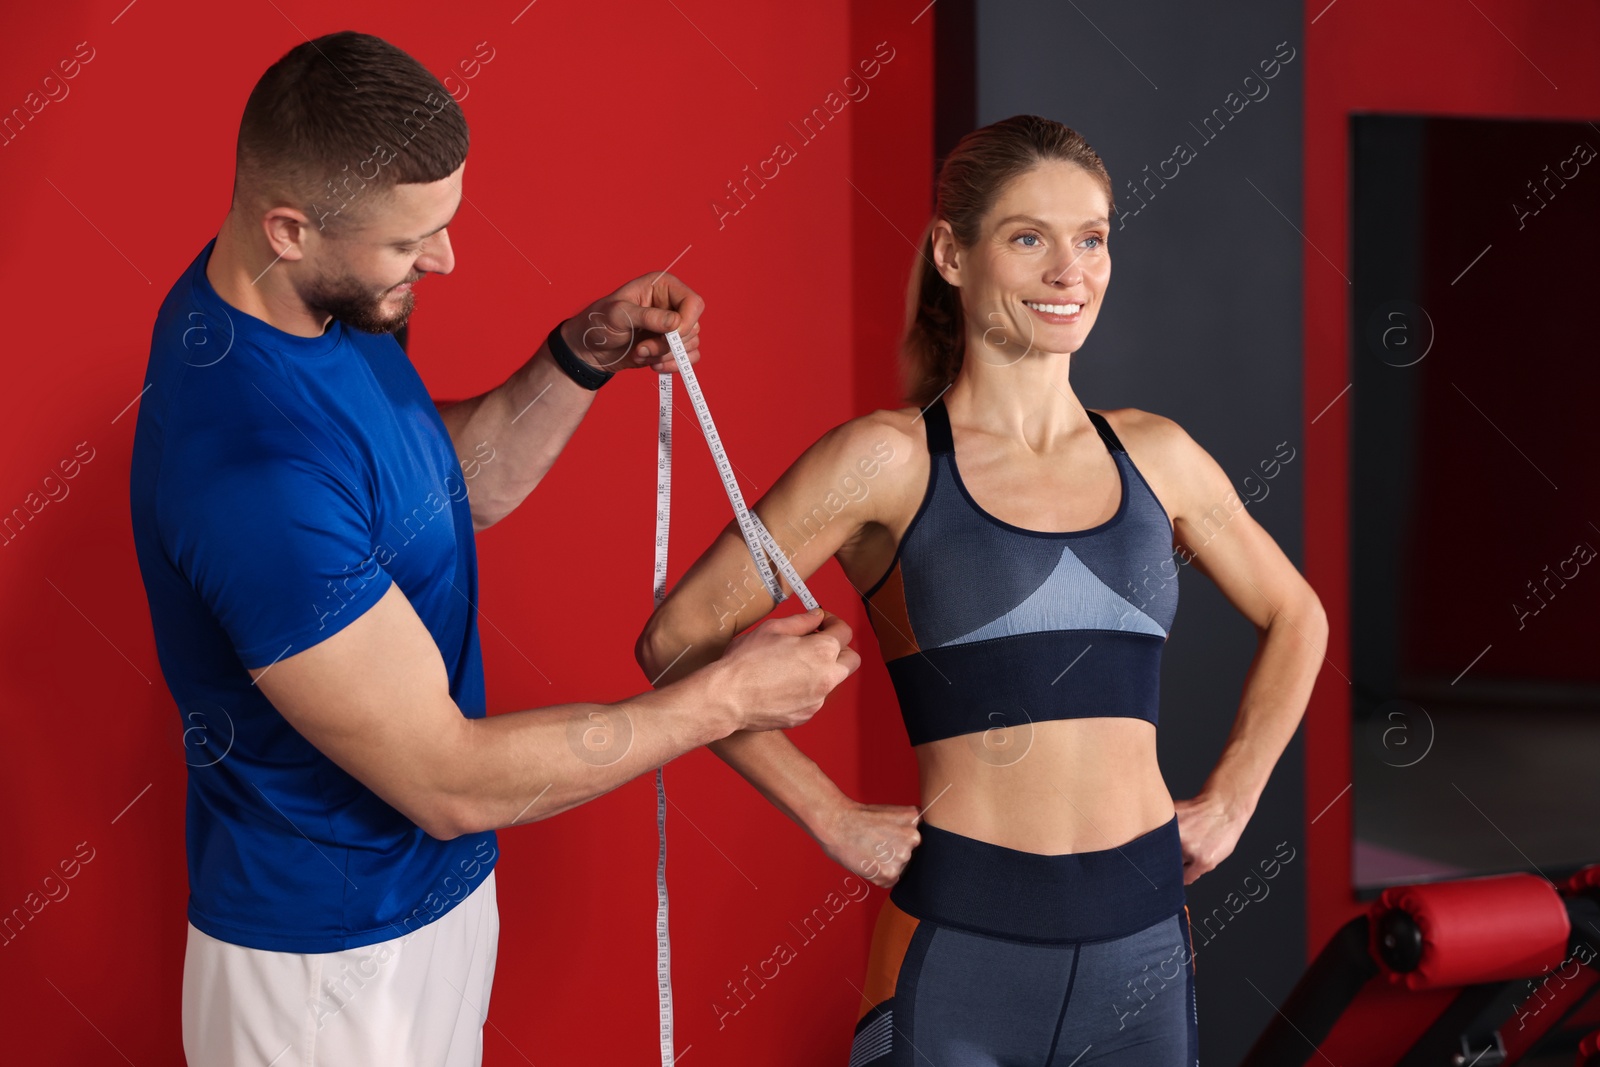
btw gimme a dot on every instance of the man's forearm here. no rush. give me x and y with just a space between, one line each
524 423
528 765
767 759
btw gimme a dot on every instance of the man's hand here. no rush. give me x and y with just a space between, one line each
627 328
782 669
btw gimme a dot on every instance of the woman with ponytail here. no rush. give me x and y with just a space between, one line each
1021 600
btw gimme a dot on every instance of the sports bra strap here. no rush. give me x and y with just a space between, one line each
941 440
939 437
1107 435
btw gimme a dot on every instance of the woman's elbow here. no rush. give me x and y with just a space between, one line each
1315 614
646 649
1309 620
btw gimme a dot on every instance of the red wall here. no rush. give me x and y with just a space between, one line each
601 140
1491 58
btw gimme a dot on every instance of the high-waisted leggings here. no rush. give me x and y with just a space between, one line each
984 956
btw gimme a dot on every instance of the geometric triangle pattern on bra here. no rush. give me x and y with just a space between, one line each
962 569
1071 598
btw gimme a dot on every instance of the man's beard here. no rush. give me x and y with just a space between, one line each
352 303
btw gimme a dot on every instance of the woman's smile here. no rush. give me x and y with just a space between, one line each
1064 313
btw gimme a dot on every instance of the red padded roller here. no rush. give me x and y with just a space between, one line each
1582 882
1589 1049
1478 929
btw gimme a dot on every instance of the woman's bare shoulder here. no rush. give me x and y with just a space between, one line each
905 425
1147 431
1179 470
884 450
891 436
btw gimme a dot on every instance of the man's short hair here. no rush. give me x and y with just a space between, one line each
339 121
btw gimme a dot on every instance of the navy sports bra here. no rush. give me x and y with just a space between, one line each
983 624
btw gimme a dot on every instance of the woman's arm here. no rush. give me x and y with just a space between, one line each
1214 530
853 478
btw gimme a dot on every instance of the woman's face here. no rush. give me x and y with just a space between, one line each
1033 279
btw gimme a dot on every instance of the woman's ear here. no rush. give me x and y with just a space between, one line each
946 252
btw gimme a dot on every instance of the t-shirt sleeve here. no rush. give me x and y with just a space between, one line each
276 537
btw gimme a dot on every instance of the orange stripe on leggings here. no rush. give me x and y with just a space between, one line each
890 939
1189 929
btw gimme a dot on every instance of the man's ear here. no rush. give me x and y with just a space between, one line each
285 230
946 253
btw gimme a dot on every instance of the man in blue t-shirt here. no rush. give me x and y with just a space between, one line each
304 519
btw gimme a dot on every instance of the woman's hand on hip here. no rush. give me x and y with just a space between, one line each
1209 828
873 841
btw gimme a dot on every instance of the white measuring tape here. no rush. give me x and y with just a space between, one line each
761 544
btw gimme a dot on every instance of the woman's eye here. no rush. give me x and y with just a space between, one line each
1096 237
1028 237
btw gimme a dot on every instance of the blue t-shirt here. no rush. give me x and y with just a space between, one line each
280 485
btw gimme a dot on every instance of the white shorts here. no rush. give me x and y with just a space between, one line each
419 999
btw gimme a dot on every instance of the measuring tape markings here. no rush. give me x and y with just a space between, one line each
663 522
761 544
756 537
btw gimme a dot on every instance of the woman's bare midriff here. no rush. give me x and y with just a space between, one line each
1067 785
